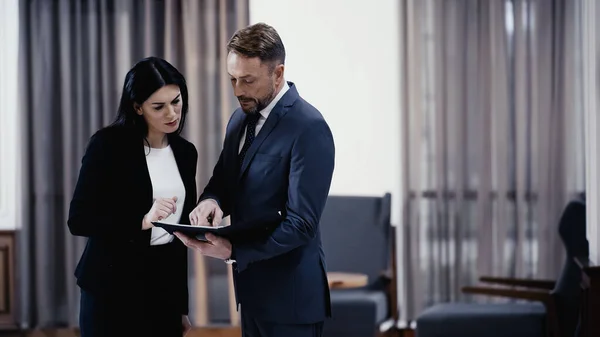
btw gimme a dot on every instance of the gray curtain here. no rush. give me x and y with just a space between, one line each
74 57
493 141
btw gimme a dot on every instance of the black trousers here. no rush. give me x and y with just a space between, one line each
148 310
256 328
105 316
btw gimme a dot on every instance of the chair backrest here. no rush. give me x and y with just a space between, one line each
355 232
567 291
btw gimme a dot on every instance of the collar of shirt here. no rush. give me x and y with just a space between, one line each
267 110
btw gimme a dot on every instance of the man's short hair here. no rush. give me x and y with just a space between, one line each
258 40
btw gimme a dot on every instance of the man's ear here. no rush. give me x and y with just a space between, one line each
278 71
137 108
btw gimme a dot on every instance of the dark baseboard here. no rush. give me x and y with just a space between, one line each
208 331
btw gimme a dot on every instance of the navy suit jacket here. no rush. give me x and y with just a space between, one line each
288 168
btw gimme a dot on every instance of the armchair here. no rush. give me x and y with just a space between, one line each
551 308
358 238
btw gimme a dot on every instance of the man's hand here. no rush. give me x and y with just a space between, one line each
187 325
217 247
207 211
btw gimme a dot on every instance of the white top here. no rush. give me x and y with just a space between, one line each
166 183
264 114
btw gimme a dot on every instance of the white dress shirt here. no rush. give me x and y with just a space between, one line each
166 183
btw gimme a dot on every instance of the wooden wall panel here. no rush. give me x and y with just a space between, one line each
7 280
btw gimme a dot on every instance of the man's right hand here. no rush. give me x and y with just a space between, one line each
207 213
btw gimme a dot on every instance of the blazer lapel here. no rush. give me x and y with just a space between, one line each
182 166
145 181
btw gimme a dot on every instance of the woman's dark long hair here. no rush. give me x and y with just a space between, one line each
146 77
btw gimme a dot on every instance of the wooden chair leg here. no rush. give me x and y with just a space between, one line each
233 313
201 289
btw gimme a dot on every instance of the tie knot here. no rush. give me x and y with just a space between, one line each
253 118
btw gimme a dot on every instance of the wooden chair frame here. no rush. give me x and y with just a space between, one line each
540 291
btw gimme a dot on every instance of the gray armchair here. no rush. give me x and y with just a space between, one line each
358 238
551 308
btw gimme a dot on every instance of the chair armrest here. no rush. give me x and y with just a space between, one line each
590 285
588 269
529 283
531 295
543 297
584 263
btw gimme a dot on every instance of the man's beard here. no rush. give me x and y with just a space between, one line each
260 103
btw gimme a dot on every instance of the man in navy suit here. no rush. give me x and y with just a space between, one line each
278 156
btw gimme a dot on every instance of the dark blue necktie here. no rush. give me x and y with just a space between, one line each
251 121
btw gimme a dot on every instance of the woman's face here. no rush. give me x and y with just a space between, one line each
162 110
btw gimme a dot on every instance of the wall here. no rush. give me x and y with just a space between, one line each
10 167
344 58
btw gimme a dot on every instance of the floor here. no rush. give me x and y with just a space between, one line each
197 332
220 331
407 333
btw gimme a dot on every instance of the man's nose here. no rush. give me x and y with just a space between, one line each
237 90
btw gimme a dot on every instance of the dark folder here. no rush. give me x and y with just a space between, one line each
250 230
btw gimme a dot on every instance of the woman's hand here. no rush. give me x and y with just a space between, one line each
161 209
187 325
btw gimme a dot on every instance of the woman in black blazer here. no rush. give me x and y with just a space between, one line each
133 276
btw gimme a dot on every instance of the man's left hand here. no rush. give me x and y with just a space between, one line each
217 247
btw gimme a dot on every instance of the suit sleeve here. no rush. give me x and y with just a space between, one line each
311 170
183 260
215 189
90 211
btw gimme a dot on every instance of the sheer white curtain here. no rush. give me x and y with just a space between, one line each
493 145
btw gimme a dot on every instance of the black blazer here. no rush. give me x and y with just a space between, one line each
112 195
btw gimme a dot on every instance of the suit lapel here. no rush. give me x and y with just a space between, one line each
238 131
278 112
266 129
